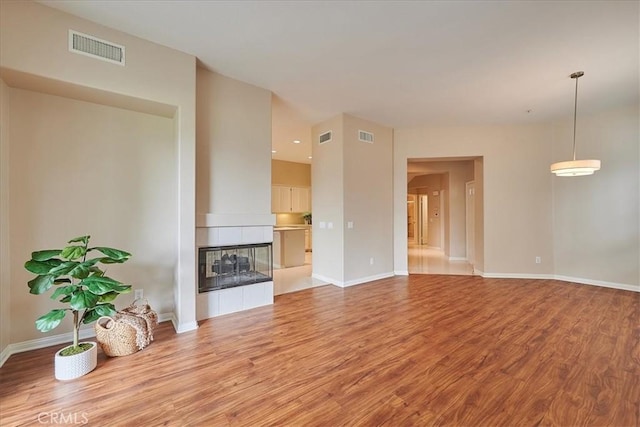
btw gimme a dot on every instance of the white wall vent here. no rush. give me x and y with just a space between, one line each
324 137
365 136
94 47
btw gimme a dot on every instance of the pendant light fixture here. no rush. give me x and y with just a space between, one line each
575 167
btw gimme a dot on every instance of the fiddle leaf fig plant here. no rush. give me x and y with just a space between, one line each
78 281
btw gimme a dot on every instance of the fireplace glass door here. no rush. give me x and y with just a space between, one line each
230 266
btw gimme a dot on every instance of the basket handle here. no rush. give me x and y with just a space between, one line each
105 328
135 301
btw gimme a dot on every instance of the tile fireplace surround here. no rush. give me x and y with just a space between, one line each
225 301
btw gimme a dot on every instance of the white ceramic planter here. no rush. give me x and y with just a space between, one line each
77 365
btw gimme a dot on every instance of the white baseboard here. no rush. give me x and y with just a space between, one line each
613 285
367 279
328 280
182 327
514 275
401 272
4 355
65 338
342 284
165 317
621 286
457 258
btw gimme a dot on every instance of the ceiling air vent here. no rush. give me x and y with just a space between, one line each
365 136
324 137
96 48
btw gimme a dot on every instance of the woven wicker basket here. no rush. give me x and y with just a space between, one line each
141 308
115 338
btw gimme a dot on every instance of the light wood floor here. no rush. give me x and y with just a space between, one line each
417 350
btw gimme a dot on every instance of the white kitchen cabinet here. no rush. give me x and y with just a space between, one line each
290 199
280 198
300 199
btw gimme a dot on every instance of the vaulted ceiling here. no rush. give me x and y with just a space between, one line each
403 63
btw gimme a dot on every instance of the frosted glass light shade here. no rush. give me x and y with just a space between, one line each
575 167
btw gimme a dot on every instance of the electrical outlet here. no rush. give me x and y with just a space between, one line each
371 261
138 294
538 260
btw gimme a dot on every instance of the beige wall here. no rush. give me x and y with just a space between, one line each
368 202
290 173
289 125
327 174
478 178
596 218
33 41
80 168
516 199
233 147
352 183
5 249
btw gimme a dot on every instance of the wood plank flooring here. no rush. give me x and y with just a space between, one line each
404 351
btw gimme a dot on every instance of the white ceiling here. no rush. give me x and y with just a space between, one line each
403 63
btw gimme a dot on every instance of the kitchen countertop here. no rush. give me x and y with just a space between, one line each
291 227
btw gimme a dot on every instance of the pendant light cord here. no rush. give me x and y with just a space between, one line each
575 115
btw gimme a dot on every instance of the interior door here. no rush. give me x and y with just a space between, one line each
411 218
470 209
423 222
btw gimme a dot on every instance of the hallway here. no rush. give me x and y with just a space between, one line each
426 260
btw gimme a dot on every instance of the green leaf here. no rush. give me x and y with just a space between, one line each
66 299
41 267
50 320
91 262
83 239
84 269
45 255
75 269
64 290
73 252
99 310
96 271
61 281
80 271
81 300
108 297
115 255
101 285
64 268
40 284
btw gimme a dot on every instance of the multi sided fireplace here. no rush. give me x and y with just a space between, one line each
230 266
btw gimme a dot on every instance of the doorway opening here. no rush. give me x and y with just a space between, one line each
446 224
